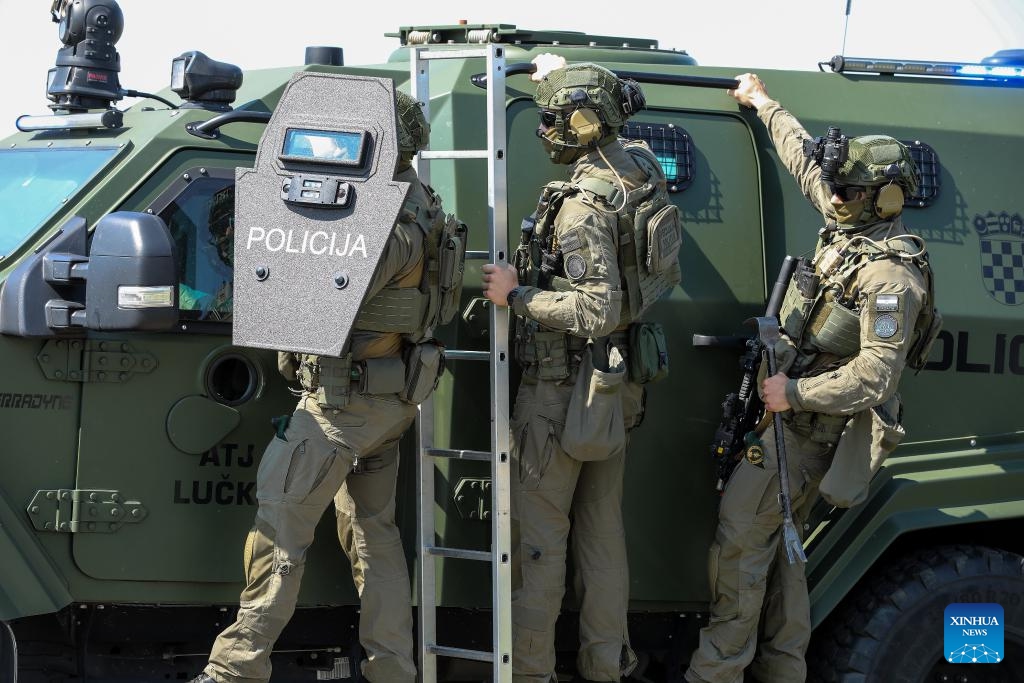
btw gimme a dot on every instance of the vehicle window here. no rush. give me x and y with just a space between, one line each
34 183
202 222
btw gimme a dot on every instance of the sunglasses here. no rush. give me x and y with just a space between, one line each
547 118
848 192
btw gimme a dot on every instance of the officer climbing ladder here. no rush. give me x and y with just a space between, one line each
500 553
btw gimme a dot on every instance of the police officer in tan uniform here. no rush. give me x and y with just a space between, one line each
341 445
854 316
575 292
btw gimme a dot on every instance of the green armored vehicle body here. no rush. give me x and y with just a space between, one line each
133 425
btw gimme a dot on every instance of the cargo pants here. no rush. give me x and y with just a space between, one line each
299 476
548 489
756 595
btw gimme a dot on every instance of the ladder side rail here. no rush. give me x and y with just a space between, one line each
419 89
501 544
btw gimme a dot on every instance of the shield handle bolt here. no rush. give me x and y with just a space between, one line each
340 280
262 273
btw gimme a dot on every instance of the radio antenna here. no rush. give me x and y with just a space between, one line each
846 25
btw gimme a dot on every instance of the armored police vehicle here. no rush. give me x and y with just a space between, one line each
133 415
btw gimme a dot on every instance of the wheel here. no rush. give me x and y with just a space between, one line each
8 654
890 628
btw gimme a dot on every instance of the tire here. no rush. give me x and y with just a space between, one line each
8 654
890 628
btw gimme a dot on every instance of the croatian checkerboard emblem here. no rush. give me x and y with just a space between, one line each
1002 255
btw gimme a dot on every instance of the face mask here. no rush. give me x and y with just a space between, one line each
849 213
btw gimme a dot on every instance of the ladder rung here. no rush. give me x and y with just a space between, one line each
456 354
454 54
478 255
458 553
457 454
460 653
455 154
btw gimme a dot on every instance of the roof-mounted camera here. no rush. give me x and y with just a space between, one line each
85 75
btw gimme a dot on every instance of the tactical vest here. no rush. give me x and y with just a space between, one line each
649 230
411 310
821 314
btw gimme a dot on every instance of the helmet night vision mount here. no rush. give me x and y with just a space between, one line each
830 153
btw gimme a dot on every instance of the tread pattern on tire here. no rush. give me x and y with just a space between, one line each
846 645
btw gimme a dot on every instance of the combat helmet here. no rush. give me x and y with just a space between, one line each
883 166
413 129
583 106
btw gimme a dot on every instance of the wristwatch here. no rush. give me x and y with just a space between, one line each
513 294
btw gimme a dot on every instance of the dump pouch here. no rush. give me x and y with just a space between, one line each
594 422
648 353
868 440
424 365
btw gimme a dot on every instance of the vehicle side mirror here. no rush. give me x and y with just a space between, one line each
128 280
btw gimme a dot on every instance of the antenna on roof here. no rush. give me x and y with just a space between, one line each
846 25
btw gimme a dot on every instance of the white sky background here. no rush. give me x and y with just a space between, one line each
747 34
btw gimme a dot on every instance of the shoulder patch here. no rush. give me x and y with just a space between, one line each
575 266
570 241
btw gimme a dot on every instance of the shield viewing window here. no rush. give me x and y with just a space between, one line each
671 144
928 165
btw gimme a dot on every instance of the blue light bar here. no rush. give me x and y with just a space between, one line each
841 64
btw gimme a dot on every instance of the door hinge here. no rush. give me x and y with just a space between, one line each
83 511
90 360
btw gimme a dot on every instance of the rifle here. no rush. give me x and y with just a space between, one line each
742 410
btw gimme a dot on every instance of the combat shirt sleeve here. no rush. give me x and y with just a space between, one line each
890 300
590 307
787 135
403 252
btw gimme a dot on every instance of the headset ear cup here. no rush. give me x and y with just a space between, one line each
889 201
585 125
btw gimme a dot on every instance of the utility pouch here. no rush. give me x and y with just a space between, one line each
452 257
664 237
382 376
424 365
594 421
544 354
795 310
648 353
332 385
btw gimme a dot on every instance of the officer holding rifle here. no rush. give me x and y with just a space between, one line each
853 316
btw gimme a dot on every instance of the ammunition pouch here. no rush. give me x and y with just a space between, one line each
328 379
412 378
424 365
648 353
447 262
543 354
818 427
824 323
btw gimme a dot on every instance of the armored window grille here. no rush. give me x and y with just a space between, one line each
671 144
928 165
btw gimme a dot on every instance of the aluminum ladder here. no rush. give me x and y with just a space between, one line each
500 553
